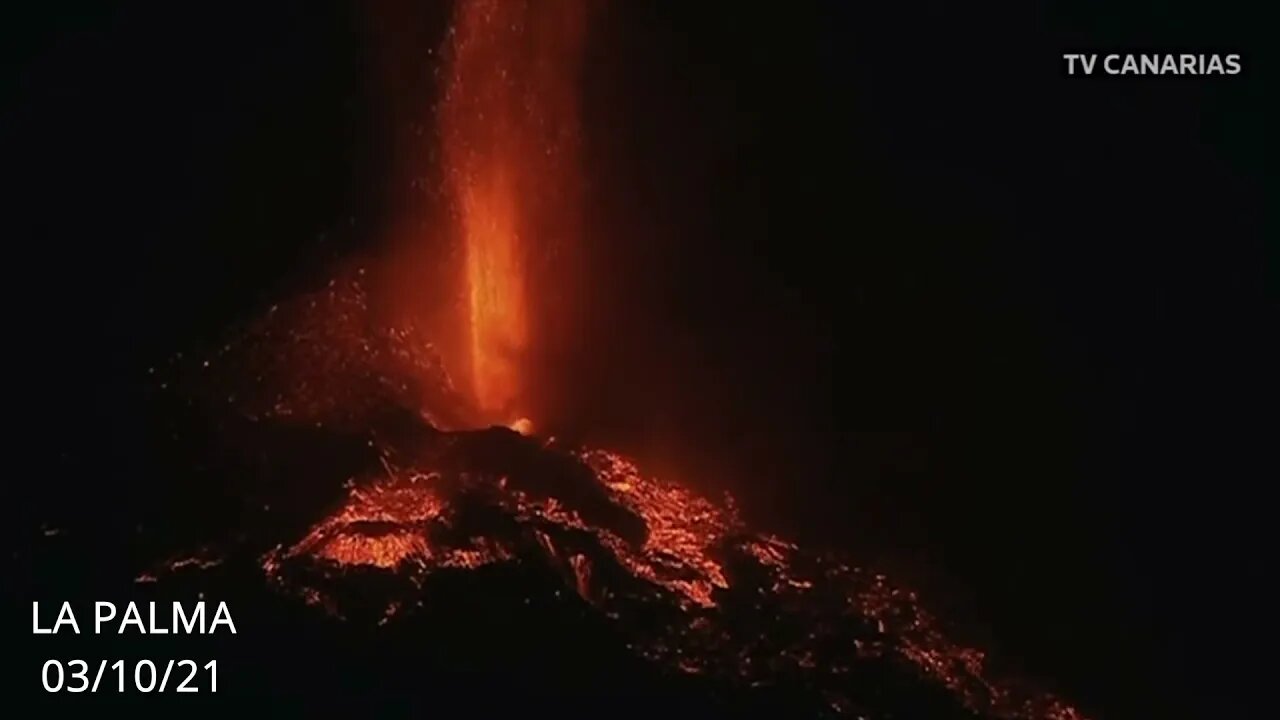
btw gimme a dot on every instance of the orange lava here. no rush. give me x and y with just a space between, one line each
683 529
407 523
508 126
621 539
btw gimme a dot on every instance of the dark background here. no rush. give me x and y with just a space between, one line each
888 275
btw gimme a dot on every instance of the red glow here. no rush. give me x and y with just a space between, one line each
619 536
508 125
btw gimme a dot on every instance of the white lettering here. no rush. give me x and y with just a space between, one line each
223 616
1087 62
132 617
100 617
65 617
188 624
35 621
155 629
1187 64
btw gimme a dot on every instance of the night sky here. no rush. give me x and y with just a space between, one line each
887 275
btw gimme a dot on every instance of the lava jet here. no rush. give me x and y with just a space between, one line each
401 498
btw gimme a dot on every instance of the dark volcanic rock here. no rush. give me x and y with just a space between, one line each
404 556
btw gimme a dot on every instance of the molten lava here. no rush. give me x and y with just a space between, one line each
687 585
431 506
508 126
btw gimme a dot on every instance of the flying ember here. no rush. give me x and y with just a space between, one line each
508 125
420 505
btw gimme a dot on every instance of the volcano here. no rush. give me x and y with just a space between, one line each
407 533
494 551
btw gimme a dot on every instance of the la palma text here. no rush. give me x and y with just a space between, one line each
198 618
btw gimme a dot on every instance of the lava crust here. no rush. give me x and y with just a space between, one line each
438 524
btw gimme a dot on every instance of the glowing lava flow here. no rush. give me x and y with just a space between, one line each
678 577
508 125
425 512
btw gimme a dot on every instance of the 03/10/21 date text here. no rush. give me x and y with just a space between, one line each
143 676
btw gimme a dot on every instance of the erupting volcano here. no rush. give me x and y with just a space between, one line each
400 496
508 127
507 222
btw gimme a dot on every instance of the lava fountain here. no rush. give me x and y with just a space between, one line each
681 581
508 125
